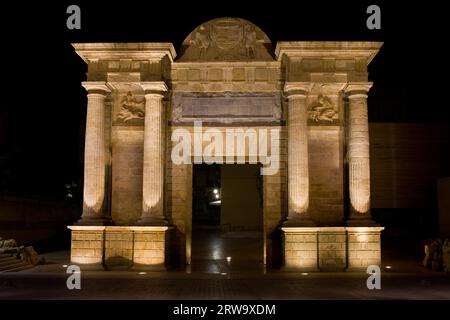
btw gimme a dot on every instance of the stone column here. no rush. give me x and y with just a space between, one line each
298 172
358 154
153 171
94 156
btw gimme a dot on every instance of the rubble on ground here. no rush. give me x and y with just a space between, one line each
26 254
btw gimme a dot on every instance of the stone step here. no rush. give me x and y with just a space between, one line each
7 263
24 266
7 257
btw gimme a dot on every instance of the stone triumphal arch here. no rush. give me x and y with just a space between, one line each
309 97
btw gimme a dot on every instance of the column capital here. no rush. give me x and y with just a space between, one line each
99 87
154 87
357 88
292 89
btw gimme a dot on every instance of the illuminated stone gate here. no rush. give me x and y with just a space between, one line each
311 97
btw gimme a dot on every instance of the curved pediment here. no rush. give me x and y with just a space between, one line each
226 39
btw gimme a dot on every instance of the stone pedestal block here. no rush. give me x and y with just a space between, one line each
87 247
151 246
331 248
364 247
120 247
300 248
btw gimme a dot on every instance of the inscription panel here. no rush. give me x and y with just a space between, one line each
226 108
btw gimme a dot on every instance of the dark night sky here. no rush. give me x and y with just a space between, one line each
42 114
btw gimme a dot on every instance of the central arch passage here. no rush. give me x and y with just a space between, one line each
227 218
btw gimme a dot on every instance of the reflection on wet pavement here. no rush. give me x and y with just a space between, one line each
216 251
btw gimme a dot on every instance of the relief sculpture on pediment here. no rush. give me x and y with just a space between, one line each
226 39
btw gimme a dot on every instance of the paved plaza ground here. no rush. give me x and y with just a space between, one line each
214 278
131 285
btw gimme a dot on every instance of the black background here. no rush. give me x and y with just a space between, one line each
42 113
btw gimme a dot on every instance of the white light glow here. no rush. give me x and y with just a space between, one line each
142 272
216 191
217 196
304 273
228 259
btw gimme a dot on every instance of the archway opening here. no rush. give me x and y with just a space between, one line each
227 218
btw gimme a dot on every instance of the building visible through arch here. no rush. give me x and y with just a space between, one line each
306 103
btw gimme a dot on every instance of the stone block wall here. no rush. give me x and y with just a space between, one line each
300 249
275 189
87 246
326 202
363 247
331 248
127 170
151 248
115 247
118 247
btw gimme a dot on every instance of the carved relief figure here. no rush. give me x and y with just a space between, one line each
226 39
201 40
131 108
250 41
322 109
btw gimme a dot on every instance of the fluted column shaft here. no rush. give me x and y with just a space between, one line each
358 155
298 167
94 155
154 142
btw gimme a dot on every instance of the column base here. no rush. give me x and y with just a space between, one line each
299 221
361 222
152 221
87 221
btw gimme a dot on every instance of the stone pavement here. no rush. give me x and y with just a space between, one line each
49 282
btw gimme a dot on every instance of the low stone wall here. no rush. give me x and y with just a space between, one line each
120 247
331 248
